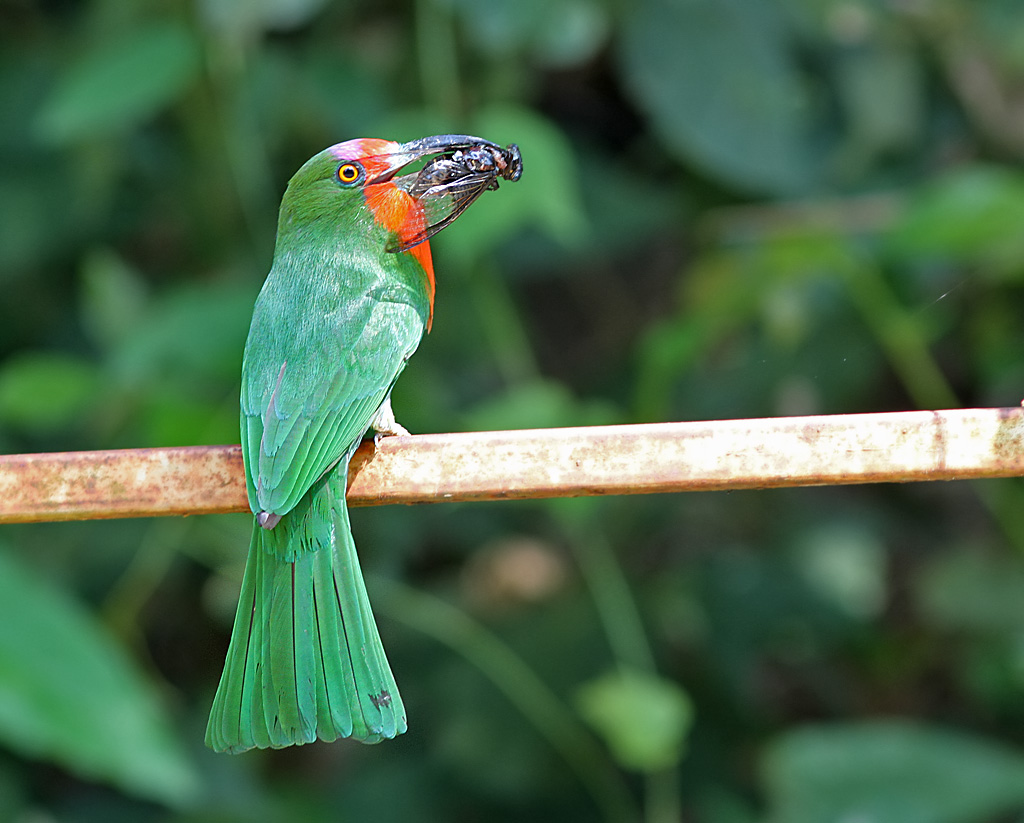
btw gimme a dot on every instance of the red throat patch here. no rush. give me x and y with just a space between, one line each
399 212
394 209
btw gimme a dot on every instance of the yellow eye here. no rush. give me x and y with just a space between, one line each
349 173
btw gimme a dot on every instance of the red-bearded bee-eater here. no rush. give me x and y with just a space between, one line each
349 295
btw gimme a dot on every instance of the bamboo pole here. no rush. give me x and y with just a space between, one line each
571 462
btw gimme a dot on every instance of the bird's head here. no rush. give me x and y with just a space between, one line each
362 186
363 178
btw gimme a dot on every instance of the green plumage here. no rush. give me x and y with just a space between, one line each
332 329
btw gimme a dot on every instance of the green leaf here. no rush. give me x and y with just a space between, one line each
35 207
69 694
972 592
244 17
571 32
190 332
644 718
43 392
117 85
719 83
113 298
971 214
537 404
846 565
881 91
558 32
889 772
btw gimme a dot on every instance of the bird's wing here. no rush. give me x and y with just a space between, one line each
312 384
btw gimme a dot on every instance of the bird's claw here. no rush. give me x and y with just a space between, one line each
385 425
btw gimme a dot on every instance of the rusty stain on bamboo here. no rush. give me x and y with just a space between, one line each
639 459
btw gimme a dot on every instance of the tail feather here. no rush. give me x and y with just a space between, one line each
374 703
226 729
305 659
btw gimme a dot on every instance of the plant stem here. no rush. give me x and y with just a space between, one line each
552 719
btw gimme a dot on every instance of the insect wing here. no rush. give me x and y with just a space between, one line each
443 203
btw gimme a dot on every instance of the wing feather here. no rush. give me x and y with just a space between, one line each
310 392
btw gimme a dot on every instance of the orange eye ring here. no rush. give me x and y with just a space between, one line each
349 174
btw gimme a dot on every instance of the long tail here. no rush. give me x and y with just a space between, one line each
305 660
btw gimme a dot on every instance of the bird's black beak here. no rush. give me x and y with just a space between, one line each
425 147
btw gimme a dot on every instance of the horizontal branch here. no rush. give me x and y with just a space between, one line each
639 459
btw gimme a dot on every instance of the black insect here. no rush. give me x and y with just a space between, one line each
482 165
448 184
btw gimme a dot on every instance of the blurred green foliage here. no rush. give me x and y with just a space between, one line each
731 208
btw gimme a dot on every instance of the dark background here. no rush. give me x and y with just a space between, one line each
730 208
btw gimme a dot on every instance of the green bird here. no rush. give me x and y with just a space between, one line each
349 296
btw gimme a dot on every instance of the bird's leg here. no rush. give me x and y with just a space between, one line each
384 423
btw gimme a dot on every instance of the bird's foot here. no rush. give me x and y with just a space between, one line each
385 425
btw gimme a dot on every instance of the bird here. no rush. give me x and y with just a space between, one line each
349 295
